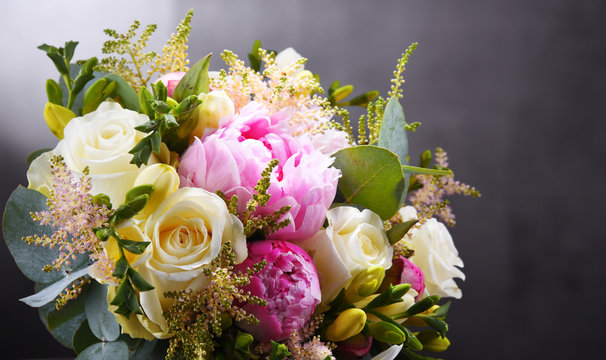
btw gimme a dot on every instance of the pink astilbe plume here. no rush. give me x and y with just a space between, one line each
430 198
73 215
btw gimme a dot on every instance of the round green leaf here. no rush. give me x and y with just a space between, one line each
83 338
101 321
105 351
372 177
16 224
63 333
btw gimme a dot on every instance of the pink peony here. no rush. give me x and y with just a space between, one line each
232 159
404 271
290 285
171 80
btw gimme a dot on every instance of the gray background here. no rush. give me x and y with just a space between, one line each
514 91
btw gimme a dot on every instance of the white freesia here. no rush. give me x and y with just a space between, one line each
436 255
354 240
288 57
389 354
99 140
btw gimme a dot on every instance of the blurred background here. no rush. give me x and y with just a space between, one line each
514 90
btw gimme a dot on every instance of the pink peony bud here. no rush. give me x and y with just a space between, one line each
290 285
354 347
171 80
403 271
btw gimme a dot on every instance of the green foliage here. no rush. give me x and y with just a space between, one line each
372 177
278 351
397 232
83 338
129 59
126 298
337 95
397 81
254 56
63 332
61 57
101 321
170 122
252 223
105 351
195 81
16 225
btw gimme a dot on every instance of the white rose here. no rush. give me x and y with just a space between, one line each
436 255
100 140
187 231
354 240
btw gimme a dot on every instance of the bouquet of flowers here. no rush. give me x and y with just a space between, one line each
194 214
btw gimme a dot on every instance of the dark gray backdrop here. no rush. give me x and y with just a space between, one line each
513 90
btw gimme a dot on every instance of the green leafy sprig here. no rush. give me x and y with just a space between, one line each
166 116
126 298
62 57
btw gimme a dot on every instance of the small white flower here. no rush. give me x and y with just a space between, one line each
288 57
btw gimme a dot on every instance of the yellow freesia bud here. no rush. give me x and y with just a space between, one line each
362 303
365 283
215 105
57 117
165 180
349 323
437 345
416 321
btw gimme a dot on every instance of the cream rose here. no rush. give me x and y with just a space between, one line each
436 255
100 140
187 231
354 240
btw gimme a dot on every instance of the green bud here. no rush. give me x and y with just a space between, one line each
432 341
341 93
386 332
102 199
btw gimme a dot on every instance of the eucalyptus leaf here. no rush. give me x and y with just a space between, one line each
17 224
101 321
393 130
195 81
372 177
105 351
73 308
50 292
63 333
83 338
